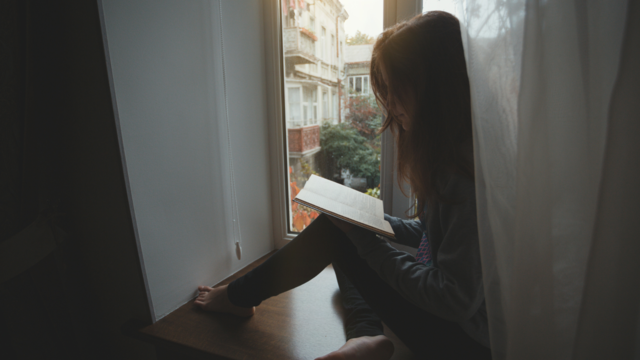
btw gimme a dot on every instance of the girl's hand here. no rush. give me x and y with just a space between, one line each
341 224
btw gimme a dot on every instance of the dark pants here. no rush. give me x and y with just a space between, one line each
366 297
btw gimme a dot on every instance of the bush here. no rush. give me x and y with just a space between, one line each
345 148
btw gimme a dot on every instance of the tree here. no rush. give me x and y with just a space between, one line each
345 148
360 39
365 116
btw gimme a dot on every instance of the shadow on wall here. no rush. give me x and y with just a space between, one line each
62 168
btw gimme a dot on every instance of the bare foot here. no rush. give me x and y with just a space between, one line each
365 347
216 299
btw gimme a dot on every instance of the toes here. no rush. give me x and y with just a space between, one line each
204 288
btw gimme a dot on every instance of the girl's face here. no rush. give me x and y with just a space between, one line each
396 107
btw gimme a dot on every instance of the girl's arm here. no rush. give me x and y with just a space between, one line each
408 232
452 288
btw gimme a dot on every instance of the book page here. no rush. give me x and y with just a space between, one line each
345 202
345 195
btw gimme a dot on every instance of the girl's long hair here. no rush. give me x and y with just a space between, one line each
424 63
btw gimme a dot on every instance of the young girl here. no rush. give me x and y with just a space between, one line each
434 302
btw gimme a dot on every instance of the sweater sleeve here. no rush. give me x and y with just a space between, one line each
408 232
452 288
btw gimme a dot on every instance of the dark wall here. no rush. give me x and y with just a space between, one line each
61 164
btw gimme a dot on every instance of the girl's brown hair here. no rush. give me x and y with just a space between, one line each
423 60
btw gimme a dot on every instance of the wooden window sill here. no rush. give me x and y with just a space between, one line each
303 323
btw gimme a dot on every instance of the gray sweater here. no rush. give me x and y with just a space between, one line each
452 288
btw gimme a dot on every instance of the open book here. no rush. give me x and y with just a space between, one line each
344 203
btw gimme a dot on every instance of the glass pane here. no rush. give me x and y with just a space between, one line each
294 106
305 111
440 5
338 67
325 105
322 43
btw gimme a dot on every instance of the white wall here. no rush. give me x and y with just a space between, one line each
166 72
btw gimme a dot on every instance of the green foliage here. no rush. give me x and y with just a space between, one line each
360 39
363 113
348 149
375 192
307 171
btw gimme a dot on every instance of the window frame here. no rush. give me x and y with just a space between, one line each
325 105
362 82
300 101
323 43
395 202
334 107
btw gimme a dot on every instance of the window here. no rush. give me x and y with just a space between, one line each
294 107
317 106
333 44
323 45
359 85
310 106
325 105
334 106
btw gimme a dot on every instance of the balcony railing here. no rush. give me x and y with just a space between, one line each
304 140
299 46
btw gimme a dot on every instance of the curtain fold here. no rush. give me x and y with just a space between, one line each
542 76
613 271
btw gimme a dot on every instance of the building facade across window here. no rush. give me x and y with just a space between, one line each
320 75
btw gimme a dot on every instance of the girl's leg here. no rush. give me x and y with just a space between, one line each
293 265
425 334
360 319
296 263
300 261
322 243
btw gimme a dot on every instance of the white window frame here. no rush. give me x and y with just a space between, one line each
395 202
300 105
314 98
334 107
323 43
332 48
365 91
325 105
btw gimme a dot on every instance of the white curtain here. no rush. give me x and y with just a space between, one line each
555 93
